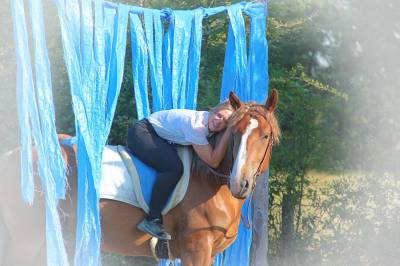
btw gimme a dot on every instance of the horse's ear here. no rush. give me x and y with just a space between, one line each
272 101
234 100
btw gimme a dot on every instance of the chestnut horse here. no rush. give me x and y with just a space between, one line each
202 225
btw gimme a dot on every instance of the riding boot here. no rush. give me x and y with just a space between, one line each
154 227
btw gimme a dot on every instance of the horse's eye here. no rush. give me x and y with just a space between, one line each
265 136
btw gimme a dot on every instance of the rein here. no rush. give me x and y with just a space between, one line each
225 178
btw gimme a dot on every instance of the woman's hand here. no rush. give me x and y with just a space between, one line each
213 157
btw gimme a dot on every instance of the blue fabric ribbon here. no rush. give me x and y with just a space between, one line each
116 22
248 78
139 67
257 69
45 99
154 37
235 65
95 74
36 116
24 88
194 59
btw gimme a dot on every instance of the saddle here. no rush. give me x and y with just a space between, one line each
125 178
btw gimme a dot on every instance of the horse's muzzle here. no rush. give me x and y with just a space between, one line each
240 191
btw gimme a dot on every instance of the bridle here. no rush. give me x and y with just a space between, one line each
247 223
224 178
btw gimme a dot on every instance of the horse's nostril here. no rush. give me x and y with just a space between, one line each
244 187
245 184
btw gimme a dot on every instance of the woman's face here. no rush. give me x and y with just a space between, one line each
217 121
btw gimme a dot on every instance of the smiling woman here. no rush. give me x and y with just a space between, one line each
219 116
153 141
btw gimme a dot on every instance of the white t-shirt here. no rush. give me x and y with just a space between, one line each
181 126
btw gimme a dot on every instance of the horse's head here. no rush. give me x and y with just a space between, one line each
255 130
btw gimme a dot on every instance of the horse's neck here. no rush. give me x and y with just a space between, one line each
215 185
214 177
215 202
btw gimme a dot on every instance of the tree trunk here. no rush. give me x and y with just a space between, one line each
287 236
259 247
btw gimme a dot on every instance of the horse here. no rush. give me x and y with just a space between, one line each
202 225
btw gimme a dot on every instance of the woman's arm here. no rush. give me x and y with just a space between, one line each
213 157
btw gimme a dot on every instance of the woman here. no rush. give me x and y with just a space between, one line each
153 139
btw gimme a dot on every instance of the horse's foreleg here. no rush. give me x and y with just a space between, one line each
196 249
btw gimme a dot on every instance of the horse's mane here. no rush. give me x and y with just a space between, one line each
248 108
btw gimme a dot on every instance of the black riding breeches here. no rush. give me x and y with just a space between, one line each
156 152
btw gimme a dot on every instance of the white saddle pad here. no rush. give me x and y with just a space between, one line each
119 183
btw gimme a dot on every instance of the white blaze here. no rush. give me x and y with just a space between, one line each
241 156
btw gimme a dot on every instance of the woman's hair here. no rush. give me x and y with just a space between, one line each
226 105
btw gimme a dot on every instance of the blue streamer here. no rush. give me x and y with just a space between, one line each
45 103
88 221
110 24
234 76
181 50
182 25
194 60
154 33
72 18
116 58
249 79
40 123
95 74
257 72
86 40
87 245
84 252
139 67
24 83
167 68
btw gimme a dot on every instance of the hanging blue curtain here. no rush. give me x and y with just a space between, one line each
115 25
235 65
247 76
257 66
139 67
36 118
95 75
94 43
154 37
193 64
176 56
